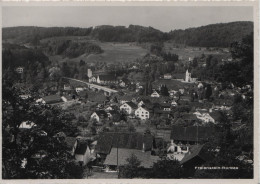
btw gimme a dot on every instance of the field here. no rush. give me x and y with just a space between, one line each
113 52
171 84
185 53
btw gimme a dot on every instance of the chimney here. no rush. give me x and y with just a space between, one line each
172 141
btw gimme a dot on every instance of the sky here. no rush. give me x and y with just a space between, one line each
164 18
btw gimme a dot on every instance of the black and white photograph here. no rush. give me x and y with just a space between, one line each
129 92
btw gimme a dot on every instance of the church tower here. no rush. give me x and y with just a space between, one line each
188 76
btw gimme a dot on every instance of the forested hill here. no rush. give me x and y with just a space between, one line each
215 35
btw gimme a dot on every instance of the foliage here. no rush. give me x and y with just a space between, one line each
20 144
130 170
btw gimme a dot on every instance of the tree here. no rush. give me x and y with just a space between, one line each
24 145
167 169
130 170
164 90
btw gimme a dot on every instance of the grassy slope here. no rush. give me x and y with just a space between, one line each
113 52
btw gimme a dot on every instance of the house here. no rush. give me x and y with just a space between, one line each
172 93
192 134
174 103
197 156
129 140
204 117
92 79
67 87
123 83
27 125
113 113
98 115
51 99
128 107
143 102
107 79
119 156
167 76
142 113
25 96
84 152
125 98
79 89
19 69
165 106
155 94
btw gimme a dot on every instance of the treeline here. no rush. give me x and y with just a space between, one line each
29 33
14 56
215 35
71 49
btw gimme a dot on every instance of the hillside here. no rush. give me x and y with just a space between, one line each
214 35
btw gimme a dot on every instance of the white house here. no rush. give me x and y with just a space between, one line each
27 125
67 87
142 113
128 107
101 114
92 79
79 89
19 69
155 94
174 103
205 117
167 76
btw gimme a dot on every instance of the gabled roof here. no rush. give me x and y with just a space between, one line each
129 140
101 113
197 151
81 148
52 99
192 133
107 78
132 105
217 116
122 154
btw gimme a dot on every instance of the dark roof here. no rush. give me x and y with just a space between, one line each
197 151
217 116
81 148
189 117
132 105
107 78
122 154
192 133
52 99
123 140
101 113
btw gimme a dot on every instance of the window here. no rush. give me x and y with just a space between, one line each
146 116
146 112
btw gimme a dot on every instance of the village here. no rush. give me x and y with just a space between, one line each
170 123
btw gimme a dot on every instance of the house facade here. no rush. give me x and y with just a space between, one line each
142 113
155 94
128 107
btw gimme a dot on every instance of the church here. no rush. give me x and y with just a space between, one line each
188 77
